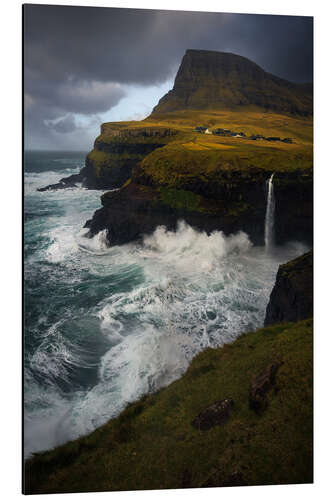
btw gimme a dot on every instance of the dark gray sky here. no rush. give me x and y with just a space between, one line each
87 65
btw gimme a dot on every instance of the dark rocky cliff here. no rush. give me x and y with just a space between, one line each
219 80
117 150
229 202
292 296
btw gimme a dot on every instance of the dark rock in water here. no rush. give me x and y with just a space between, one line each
215 414
292 296
64 183
260 386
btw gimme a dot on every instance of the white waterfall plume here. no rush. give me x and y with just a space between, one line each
269 218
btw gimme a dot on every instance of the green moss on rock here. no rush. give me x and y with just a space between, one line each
180 199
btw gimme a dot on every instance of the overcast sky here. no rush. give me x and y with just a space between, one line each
87 65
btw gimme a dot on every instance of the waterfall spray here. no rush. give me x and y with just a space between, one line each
269 218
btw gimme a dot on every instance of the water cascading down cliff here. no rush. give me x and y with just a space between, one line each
269 217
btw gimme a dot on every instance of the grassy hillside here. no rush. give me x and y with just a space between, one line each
154 445
219 80
249 119
185 153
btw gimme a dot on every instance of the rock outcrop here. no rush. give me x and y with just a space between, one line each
215 414
67 182
261 385
292 296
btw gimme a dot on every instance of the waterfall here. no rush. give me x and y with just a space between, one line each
269 218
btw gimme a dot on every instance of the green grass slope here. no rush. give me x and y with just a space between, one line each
123 141
218 80
153 445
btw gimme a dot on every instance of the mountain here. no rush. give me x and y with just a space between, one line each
221 80
167 171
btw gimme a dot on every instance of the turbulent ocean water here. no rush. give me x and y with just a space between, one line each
103 326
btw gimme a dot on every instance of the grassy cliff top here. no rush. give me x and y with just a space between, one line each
184 153
250 120
154 445
207 157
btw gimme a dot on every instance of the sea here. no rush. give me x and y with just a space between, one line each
105 325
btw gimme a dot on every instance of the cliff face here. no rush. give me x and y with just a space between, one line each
219 80
292 296
226 200
117 150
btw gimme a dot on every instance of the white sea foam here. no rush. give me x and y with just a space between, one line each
174 295
189 249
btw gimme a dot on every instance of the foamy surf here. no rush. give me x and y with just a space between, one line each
107 325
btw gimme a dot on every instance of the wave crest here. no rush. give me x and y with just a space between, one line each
189 248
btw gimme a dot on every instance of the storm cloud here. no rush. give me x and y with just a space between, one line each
84 60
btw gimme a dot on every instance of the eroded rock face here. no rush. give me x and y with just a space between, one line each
216 414
292 296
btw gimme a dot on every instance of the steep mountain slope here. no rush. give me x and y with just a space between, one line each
220 80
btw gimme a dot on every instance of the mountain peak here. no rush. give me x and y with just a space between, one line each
221 80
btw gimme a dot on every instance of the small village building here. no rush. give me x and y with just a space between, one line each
257 137
201 130
218 131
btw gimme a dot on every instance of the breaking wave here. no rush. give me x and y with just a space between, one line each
107 325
